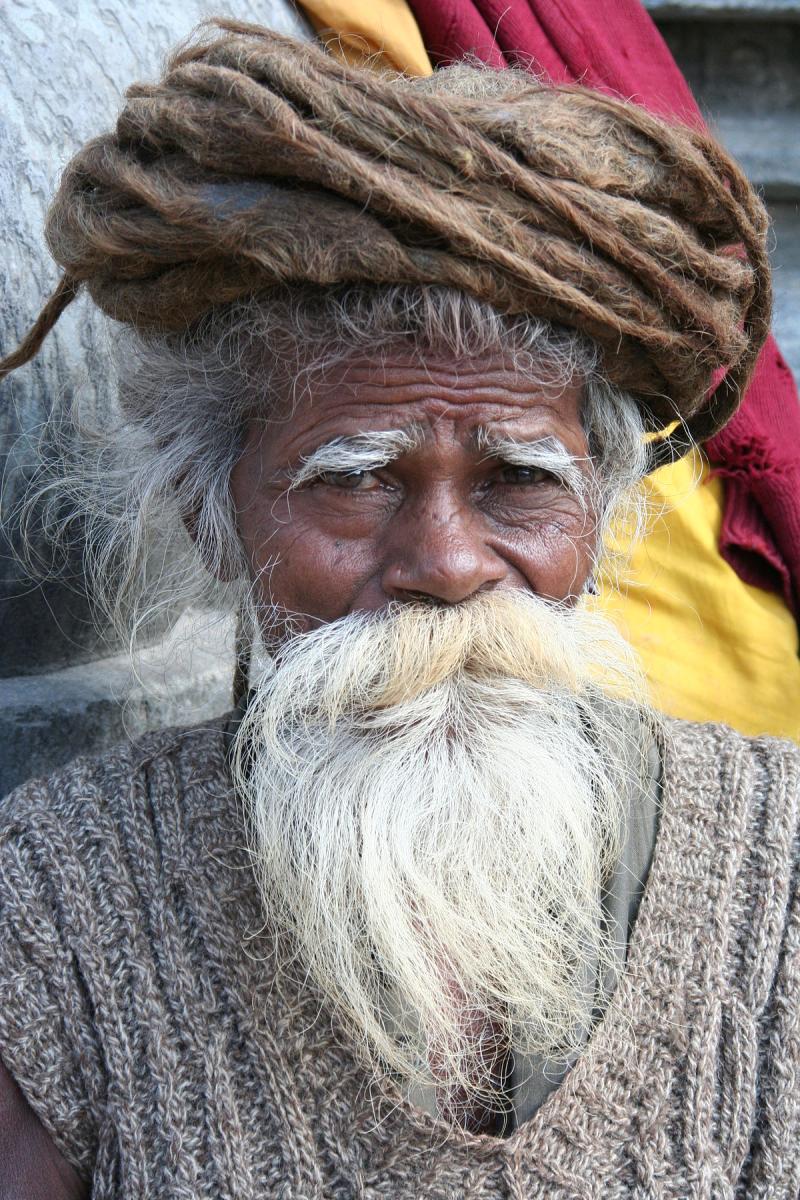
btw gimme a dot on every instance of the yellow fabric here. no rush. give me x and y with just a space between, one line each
360 29
713 648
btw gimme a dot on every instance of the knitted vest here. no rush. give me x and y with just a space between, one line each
142 1013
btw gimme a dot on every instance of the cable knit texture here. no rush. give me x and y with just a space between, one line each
145 1012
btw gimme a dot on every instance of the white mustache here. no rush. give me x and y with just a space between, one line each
371 661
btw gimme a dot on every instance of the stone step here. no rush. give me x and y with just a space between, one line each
760 10
46 720
765 148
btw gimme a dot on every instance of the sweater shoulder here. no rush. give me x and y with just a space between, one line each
734 866
732 804
105 785
745 791
705 760
699 737
86 854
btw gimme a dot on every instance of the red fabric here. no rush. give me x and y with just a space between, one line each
613 45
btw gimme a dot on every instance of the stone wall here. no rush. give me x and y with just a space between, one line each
63 64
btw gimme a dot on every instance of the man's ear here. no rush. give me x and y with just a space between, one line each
190 523
223 570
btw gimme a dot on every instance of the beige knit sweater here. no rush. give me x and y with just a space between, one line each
169 1058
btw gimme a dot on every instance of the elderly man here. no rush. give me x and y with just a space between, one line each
441 909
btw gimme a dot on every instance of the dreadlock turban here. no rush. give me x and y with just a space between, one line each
258 161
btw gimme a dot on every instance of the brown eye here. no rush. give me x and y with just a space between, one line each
524 475
349 481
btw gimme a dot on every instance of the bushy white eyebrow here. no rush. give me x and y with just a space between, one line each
547 453
360 452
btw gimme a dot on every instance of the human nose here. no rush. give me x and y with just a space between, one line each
439 554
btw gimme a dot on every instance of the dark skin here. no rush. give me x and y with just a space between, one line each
443 521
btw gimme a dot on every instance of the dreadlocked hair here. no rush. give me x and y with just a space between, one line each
258 161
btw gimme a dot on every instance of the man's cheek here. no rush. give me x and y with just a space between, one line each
559 558
318 576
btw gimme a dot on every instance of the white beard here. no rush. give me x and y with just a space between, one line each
437 797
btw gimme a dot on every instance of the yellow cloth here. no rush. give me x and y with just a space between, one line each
713 648
360 29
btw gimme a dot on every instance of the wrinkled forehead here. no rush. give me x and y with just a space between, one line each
433 395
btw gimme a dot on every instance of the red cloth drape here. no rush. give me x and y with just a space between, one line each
613 45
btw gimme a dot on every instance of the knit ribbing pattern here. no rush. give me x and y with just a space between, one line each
146 1017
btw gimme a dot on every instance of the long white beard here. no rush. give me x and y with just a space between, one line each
437 797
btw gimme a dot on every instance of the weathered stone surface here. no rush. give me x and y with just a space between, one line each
48 719
759 9
746 77
786 258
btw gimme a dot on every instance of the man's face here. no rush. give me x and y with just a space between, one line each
435 791
402 480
